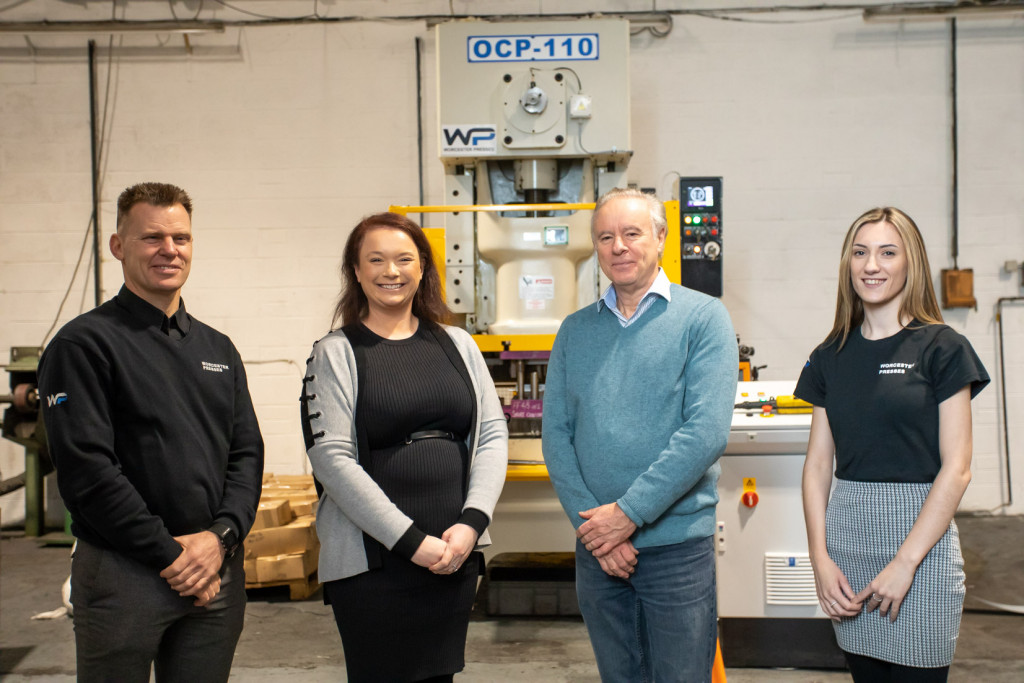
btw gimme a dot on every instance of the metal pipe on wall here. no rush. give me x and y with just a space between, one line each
95 173
955 247
419 120
1002 391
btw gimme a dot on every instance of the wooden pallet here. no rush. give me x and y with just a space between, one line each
298 589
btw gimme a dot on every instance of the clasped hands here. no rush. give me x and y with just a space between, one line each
884 593
446 554
196 571
606 535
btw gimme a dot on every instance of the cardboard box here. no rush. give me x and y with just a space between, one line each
296 479
272 512
297 566
272 492
304 507
295 537
249 566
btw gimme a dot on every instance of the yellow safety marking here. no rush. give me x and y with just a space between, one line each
671 259
516 342
435 236
518 472
749 484
453 208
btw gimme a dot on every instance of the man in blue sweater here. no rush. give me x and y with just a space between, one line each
637 407
159 461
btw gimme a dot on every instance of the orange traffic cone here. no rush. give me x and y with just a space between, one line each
718 668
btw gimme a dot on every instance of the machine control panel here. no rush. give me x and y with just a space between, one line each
700 206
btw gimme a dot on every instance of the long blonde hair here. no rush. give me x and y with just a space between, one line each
918 296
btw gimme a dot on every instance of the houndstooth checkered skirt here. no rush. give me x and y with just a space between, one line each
865 524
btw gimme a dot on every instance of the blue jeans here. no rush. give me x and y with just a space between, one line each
660 626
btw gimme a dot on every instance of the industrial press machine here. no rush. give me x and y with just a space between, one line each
533 126
533 122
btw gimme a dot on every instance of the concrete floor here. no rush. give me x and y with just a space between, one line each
286 641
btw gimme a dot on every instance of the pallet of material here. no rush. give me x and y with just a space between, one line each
282 549
295 570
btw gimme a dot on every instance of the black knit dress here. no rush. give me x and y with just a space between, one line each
400 622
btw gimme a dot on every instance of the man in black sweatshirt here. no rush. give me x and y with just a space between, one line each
159 461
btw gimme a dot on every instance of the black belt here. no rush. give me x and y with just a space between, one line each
429 434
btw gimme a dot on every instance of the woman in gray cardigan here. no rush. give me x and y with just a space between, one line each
407 438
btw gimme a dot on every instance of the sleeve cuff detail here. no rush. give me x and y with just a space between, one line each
409 543
630 512
475 519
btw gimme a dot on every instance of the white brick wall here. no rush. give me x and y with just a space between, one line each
289 134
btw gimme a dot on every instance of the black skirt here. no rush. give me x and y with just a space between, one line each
402 623
398 621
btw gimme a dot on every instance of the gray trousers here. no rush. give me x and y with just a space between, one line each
128 620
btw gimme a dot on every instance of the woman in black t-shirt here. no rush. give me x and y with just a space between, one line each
891 387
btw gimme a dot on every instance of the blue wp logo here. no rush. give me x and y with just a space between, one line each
56 399
473 136
469 138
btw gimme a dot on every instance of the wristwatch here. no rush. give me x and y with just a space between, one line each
228 538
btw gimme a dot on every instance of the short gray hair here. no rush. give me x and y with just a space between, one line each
659 221
155 194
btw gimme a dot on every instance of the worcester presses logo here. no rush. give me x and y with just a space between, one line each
56 399
894 368
214 367
469 138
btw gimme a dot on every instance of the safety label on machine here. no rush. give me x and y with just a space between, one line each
536 287
529 407
533 48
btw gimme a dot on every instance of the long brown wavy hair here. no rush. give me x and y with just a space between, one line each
918 296
428 303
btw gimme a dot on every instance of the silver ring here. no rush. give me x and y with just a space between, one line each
875 598
833 603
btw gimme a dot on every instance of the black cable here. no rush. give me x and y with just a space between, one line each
103 139
170 4
720 13
725 15
267 16
579 83
67 292
14 4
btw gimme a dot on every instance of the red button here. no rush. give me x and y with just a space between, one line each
749 498
714 231
714 219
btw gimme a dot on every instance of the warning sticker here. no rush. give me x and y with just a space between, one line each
536 287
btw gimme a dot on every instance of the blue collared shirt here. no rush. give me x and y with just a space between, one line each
660 287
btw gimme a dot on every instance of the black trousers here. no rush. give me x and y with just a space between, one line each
128 620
